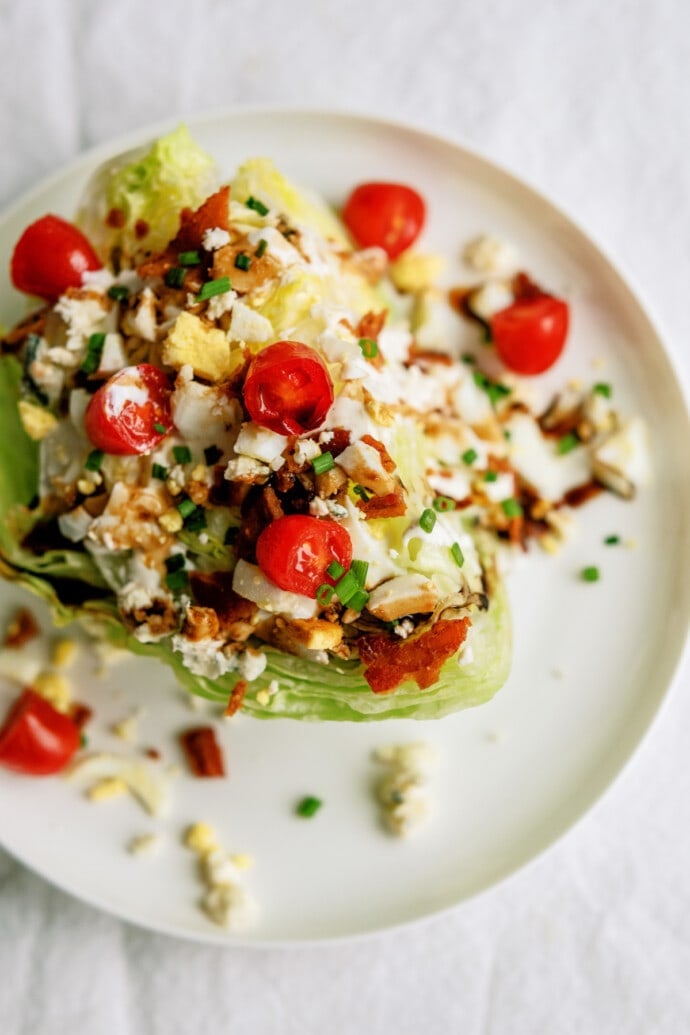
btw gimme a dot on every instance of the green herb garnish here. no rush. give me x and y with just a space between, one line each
256 205
94 460
335 569
214 287
158 471
261 247
427 520
160 428
469 456
174 277
360 569
603 388
182 454
457 554
590 574
94 348
189 258
511 508
443 503
242 261
308 806
567 443
369 348
612 540
118 292
322 463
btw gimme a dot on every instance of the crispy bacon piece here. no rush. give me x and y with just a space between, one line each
235 614
22 628
582 494
193 225
80 714
370 326
390 505
236 698
34 323
423 357
388 663
203 751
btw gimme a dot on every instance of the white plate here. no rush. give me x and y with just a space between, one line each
592 661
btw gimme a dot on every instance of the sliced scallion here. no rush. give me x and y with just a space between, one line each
189 258
261 247
369 348
567 443
324 594
443 504
511 508
469 457
335 569
182 454
427 520
118 292
94 460
243 261
457 554
256 205
322 463
360 570
158 471
590 574
213 287
308 806
174 277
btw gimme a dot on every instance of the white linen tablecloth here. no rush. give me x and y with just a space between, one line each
588 101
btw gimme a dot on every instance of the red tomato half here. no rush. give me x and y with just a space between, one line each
529 335
51 256
130 414
295 551
389 215
36 738
288 388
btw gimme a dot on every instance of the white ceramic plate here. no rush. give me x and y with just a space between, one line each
592 661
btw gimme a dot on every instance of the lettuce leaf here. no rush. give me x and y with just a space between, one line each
150 187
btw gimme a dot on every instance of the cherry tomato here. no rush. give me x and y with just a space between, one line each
529 335
36 738
130 414
51 256
294 552
389 215
288 388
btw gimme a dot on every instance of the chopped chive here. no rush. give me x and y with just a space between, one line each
511 508
182 454
359 490
603 388
369 348
507 434
346 587
231 534
118 292
83 740
335 569
469 360
443 503
494 389
490 476
196 522
469 456
487 336
308 806
94 348
360 569
567 442
427 520
160 472
612 540
94 460
257 205
160 428
358 600
177 580
189 258
242 261
324 594
261 247
590 574
186 508
175 562
212 455
174 277
213 287
457 554
322 463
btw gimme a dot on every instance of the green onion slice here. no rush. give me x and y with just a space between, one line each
427 520
174 277
360 570
94 460
369 348
458 555
158 471
511 508
322 463
324 594
469 457
256 205
590 574
567 443
308 806
182 454
443 503
335 569
214 287
242 261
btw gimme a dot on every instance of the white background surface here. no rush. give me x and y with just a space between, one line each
589 105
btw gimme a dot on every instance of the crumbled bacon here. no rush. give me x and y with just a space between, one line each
22 628
423 357
235 614
34 323
203 751
200 623
80 714
386 460
388 663
582 494
193 225
236 698
371 324
391 505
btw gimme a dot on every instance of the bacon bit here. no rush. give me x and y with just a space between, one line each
141 229
516 530
582 494
457 299
80 714
371 324
235 614
193 225
34 323
386 460
524 287
200 623
390 505
115 219
270 505
203 752
236 698
423 356
153 753
22 628
389 663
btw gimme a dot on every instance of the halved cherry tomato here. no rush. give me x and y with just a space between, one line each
389 215
288 388
51 256
130 414
294 552
529 335
36 738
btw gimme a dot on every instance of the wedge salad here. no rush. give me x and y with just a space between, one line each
238 438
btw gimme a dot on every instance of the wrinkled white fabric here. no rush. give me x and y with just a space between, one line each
588 102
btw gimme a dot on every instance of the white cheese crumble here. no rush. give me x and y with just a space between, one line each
402 790
218 305
215 238
488 254
260 443
251 583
